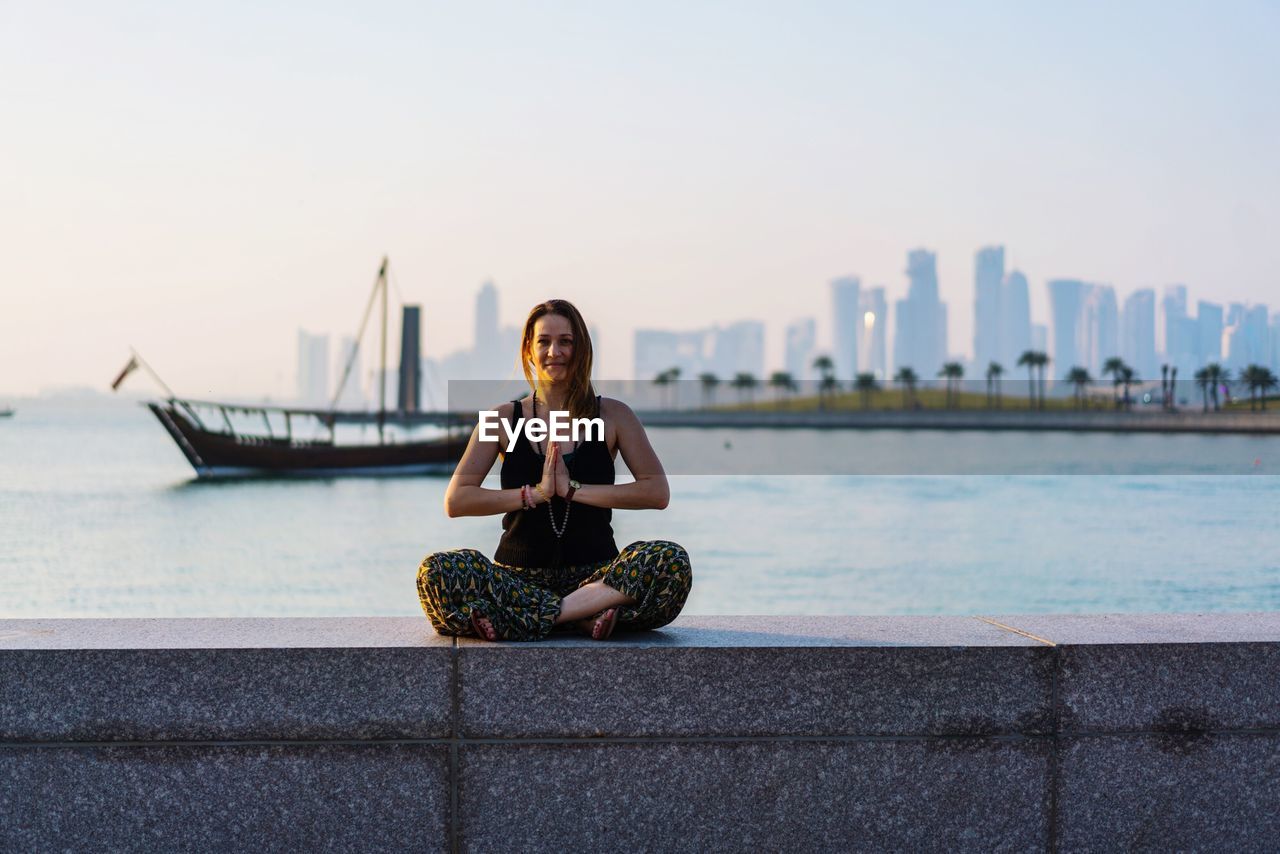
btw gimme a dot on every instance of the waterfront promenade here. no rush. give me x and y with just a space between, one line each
990 732
1071 420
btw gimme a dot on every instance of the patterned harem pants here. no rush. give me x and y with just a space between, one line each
523 603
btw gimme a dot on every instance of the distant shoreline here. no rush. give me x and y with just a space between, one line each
1094 421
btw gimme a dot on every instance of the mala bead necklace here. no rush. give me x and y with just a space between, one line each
559 531
551 513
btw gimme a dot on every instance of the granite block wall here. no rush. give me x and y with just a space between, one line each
735 733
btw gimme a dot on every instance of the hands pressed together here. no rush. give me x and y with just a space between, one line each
555 474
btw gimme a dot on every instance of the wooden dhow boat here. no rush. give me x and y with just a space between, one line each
228 440
217 449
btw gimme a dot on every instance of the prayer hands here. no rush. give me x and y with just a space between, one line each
548 485
562 473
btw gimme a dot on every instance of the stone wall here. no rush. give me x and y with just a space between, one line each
732 733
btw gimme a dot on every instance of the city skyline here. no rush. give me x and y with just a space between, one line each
1086 328
665 166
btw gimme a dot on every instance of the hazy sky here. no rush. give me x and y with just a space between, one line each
201 180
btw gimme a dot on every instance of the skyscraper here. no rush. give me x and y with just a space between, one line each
871 338
486 320
1138 339
352 395
801 339
1181 347
988 278
1235 313
1248 338
1100 328
723 351
1275 342
1208 333
487 359
903 339
1232 349
313 369
409 377
1066 303
1015 320
657 350
920 320
1258 334
845 320
739 348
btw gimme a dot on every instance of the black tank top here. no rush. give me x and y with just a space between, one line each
527 537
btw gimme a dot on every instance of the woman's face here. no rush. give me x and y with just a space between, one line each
552 347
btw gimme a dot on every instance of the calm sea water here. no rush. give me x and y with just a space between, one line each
100 516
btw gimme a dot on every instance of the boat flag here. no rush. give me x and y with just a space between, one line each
128 369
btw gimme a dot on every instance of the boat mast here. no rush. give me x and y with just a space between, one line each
382 374
379 282
137 361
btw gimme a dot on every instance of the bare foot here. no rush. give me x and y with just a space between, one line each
600 626
482 627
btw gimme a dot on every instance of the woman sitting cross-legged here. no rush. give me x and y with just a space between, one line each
556 562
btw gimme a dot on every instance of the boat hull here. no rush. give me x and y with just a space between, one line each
222 455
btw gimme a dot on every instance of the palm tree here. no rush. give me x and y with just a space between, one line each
1114 366
1202 380
1248 377
1259 380
1042 360
866 383
1164 386
1028 359
953 371
1217 376
780 382
1128 377
1173 387
908 379
827 387
745 383
664 380
1267 381
1079 377
824 366
994 370
709 382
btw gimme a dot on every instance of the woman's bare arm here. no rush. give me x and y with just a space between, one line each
465 496
650 491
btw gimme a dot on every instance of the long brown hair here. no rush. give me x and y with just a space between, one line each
580 396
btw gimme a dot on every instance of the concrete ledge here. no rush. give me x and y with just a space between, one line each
214 679
764 676
1164 672
1026 732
